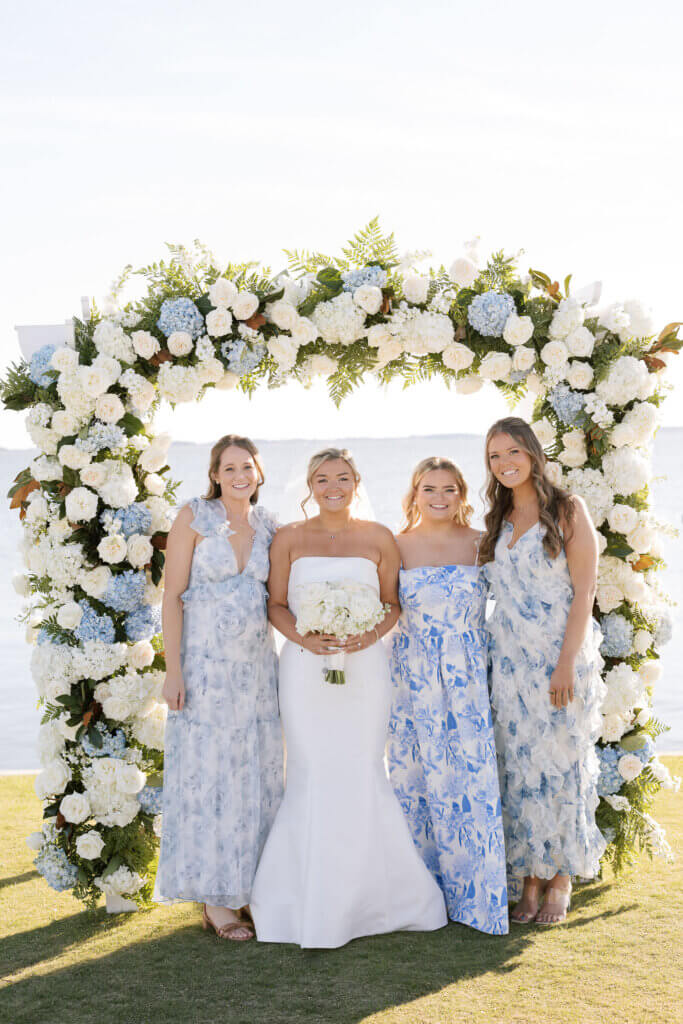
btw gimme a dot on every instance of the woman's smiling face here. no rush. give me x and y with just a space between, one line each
437 496
333 485
237 474
509 463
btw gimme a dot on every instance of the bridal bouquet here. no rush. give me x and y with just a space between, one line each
341 609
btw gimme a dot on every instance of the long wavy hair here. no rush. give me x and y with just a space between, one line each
411 512
316 461
248 445
553 502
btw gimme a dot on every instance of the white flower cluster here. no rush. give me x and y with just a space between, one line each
340 321
343 608
420 332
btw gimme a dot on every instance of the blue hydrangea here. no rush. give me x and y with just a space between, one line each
134 518
568 404
180 315
242 358
518 375
646 752
664 630
143 623
45 638
150 800
609 781
93 626
365 275
40 363
489 311
617 636
113 744
102 435
126 591
53 864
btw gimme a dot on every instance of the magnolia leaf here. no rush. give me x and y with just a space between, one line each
636 741
671 328
21 494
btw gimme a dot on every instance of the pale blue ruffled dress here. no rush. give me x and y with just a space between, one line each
547 760
223 753
441 751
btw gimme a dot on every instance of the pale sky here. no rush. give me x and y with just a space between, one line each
555 130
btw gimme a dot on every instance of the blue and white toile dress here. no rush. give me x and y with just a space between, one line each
441 751
547 761
223 758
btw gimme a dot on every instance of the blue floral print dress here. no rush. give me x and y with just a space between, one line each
547 760
441 751
224 755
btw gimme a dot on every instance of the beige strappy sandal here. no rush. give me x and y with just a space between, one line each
526 916
557 905
226 931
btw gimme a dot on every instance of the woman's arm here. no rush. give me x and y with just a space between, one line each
387 570
278 608
582 560
179 551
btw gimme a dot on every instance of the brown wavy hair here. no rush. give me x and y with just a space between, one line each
316 461
411 514
248 445
553 502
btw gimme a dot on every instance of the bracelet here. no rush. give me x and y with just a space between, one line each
376 633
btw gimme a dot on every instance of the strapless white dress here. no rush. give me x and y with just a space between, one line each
340 861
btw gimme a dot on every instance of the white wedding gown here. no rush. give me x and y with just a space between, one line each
339 862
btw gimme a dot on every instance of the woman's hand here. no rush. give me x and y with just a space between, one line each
321 643
173 691
562 685
360 642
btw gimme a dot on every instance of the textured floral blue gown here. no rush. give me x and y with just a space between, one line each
547 761
441 751
223 756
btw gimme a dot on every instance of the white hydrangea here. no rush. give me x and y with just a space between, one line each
626 470
339 321
110 339
96 659
567 317
596 408
420 331
122 882
595 489
618 803
641 321
415 288
615 319
283 349
119 487
178 383
628 378
316 366
614 726
140 391
637 427
463 272
625 690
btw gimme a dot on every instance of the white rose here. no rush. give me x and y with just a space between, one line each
457 356
568 316
650 673
35 841
387 352
160 509
304 331
75 807
622 518
518 329
415 288
112 548
555 354
545 432
180 342
222 292
81 505
95 474
93 380
73 458
523 359
283 314
642 641
641 322
369 298
53 778
145 344
580 342
109 408
574 449
21 584
553 471
580 375
379 334
318 366
119 487
141 655
469 385
608 597
636 589
283 349
536 384
64 423
129 778
118 708
90 845
155 484
95 581
245 305
69 615
629 767
463 272
495 366
641 538
219 322
37 509
152 459
140 550
64 359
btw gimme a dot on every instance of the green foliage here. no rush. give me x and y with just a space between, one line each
17 390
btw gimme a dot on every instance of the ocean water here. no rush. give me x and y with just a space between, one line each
385 466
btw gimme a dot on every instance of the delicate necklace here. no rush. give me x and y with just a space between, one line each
333 536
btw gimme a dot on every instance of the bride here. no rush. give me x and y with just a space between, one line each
339 862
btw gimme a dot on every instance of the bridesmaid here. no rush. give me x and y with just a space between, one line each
441 751
541 553
223 763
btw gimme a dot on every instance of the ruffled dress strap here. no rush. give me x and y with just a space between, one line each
264 522
208 519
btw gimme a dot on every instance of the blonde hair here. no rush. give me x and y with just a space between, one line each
227 441
316 461
553 501
411 512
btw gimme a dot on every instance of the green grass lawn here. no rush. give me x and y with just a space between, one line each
617 959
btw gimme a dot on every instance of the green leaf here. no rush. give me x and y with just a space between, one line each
131 424
636 741
114 863
95 737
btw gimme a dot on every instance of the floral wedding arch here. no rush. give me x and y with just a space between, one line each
96 504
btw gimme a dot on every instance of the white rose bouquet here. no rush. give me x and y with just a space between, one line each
341 608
